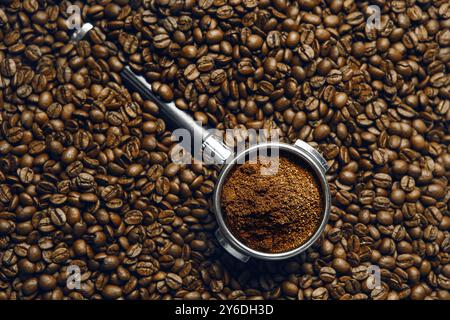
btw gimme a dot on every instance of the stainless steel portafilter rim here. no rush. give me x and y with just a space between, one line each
305 153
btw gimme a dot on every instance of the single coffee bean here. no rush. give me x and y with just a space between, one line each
165 92
254 42
321 132
47 282
161 41
174 281
110 263
214 36
112 292
69 155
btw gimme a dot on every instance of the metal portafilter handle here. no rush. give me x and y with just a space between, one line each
211 145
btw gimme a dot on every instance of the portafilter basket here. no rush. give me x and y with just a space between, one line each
303 153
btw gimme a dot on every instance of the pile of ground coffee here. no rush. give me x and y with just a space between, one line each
272 213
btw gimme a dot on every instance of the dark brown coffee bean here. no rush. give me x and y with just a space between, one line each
214 36
320 293
135 170
254 42
218 76
33 53
161 41
165 92
58 217
8 68
26 175
205 63
14 135
47 282
327 274
321 132
174 281
112 292
341 266
30 286
191 73
69 155
273 39
110 263
60 255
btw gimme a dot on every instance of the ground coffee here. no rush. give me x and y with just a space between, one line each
272 213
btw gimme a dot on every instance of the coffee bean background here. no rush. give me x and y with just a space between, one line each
86 180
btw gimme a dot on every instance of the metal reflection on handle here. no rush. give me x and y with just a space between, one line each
81 33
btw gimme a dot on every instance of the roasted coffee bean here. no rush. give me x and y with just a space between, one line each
58 217
214 36
26 175
8 68
327 274
112 292
320 293
174 281
161 41
205 63
33 53
191 72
